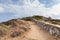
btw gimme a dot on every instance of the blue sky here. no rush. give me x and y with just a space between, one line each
11 9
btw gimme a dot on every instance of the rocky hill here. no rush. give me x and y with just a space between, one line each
13 28
29 28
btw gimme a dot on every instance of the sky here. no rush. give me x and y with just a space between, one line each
11 9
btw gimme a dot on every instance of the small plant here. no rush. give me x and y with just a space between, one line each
38 17
5 27
54 22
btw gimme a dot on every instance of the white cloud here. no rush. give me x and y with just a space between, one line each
35 8
1 9
28 8
54 10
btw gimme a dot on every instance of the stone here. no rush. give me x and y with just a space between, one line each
15 34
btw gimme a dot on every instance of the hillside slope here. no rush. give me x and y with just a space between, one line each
23 30
37 33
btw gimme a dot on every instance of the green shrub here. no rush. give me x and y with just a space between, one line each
38 17
54 22
5 27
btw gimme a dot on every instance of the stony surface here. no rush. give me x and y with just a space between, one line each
52 29
25 30
3 32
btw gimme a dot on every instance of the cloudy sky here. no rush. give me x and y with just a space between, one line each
10 9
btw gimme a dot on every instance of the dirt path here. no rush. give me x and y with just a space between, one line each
36 33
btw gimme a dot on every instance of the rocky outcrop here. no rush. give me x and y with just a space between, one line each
52 29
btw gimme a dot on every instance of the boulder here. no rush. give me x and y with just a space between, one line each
15 34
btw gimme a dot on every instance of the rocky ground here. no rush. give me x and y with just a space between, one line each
23 30
51 28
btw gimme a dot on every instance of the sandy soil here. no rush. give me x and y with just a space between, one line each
36 33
